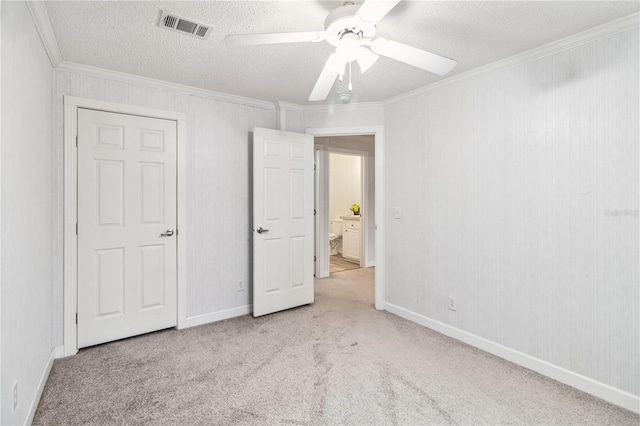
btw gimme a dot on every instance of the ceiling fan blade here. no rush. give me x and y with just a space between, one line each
272 38
374 10
413 56
327 78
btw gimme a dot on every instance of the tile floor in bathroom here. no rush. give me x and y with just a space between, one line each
338 264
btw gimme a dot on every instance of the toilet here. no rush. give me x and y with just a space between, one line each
335 236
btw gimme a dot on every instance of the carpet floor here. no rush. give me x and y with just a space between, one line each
338 361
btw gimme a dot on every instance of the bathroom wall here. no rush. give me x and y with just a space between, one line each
345 183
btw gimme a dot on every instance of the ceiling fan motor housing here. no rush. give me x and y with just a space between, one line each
343 21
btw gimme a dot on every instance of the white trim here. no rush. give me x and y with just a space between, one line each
281 113
45 29
43 25
123 108
182 221
70 267
585 384
321 221
613 27
159 84
291 107
1 208
31 412
216 316
58 352
281 117
378 132
71 105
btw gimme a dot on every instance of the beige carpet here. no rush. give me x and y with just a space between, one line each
338 361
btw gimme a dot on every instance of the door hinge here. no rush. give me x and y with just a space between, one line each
76 141
314 167
76 228
314 212
314 258
76 317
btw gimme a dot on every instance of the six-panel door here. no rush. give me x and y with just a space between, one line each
127 281
283 209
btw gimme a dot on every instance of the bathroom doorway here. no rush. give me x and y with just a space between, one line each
345 204
345 175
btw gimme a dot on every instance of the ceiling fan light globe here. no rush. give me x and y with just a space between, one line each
349 46
366 59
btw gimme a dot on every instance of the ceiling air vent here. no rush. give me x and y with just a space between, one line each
175 23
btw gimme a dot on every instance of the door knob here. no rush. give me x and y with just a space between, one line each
168 233
262 231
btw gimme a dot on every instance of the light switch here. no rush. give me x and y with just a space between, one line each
397 212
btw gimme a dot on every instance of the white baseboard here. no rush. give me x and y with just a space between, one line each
585 384
43 381
216 316
58 352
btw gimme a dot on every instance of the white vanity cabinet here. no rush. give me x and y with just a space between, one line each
351 238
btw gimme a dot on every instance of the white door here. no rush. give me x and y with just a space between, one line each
282 220
127 260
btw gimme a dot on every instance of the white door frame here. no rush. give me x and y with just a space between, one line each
378 133
70 279
321 220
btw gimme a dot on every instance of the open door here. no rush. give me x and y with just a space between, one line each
283 235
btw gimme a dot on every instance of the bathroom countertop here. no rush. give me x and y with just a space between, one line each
353 217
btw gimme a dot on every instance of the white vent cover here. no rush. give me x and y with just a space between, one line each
173 22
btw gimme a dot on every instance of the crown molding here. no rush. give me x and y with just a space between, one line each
610 28
160 84
45 30
289 106
43 25
362 106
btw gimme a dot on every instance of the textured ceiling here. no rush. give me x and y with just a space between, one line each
123 36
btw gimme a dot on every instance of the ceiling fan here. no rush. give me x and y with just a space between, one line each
351 29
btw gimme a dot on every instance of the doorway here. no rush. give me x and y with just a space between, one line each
339 158
377 219
127 252
345 170
71 106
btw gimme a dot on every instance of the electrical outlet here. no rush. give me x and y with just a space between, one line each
15 396
452 303
240 285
